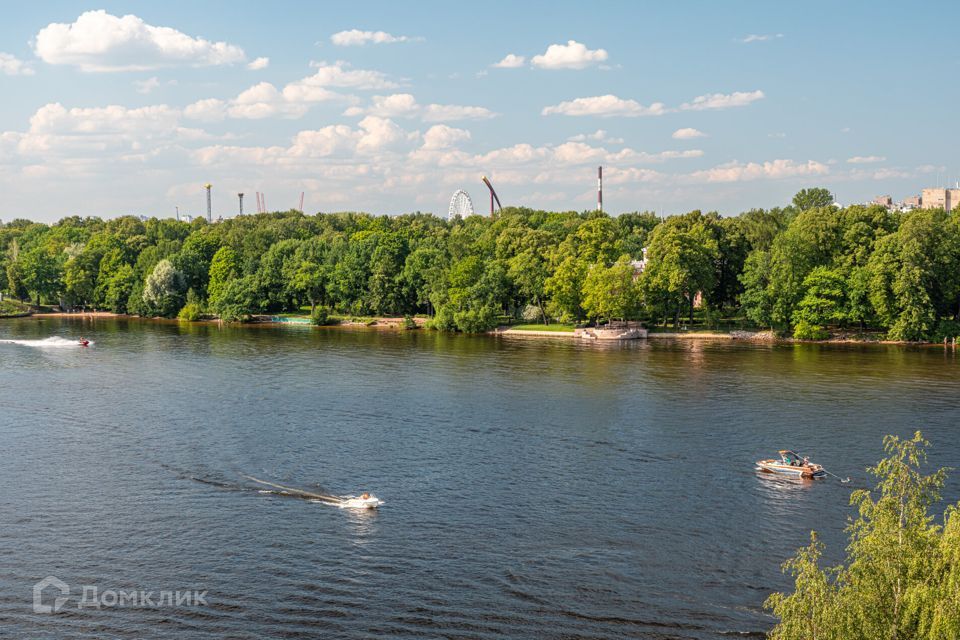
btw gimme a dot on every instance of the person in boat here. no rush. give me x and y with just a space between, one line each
364 496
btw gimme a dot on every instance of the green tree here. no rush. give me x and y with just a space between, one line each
224 267
118 289
239 300
163 290
565 288
823 303
610 292
812 199
896 580
42 274
681 262
422 276
528 271
310 281
756 301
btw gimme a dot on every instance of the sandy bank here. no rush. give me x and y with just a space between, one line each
77 314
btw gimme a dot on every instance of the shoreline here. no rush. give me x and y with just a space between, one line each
759 337
79 314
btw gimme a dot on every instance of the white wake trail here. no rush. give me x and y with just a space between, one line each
53 342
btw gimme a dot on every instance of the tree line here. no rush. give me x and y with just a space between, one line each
804 268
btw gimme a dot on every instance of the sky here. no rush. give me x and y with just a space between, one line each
385 107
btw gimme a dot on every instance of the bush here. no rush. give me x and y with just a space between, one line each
409 323
443 319
476 320
190 312
531 313
807 331
947 329
321 317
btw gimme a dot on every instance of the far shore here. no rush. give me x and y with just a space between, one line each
77 314
756 337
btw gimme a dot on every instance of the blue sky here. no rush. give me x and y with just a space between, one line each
121 108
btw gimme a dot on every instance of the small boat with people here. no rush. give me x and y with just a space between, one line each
792 463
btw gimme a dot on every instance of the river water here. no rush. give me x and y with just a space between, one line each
533 487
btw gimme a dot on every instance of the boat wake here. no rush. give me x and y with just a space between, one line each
53 342
366 501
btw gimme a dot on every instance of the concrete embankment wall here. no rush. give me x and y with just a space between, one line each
525 332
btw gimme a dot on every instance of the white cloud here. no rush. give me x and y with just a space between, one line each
99 41
722 100
209 110
13 66
397 105
687 133
258 64
890 174
774 169
643 157
510 61
604 106
76 140
339 75
572 55
447 112
356 38
754 37
440 136
514 155
866 159
372 136
599 135
264 100
55 118
378 134
146 86
404 105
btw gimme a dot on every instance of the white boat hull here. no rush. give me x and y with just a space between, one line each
802 471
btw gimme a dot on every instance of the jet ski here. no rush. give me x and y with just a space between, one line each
83 343
363 501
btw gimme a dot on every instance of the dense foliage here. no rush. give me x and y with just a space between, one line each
803 268
901 577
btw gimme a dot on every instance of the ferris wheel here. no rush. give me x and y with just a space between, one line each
460 205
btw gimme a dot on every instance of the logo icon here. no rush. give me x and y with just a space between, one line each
59 601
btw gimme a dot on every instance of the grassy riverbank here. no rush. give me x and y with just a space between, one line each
557 327
13 309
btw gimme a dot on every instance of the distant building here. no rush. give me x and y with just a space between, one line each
946 199
885 201
913 202
639 265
